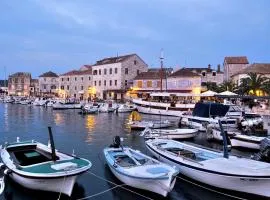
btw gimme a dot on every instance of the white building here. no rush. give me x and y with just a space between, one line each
48 83
113 76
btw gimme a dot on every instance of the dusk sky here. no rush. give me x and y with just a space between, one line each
60 35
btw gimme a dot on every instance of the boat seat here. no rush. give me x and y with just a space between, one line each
124 161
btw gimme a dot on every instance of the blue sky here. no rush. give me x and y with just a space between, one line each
60 35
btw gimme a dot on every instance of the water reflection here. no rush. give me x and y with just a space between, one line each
90 123
58 118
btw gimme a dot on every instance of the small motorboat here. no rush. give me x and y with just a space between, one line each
246 141
214 168
125 108
138 170
140 125
68 105
89 109
40 167
169 133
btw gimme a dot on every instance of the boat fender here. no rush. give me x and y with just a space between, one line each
7 171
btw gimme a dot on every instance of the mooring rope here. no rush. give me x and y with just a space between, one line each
100 193
91 173
209 189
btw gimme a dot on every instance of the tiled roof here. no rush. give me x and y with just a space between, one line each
236 60
20 74
184 72
116 59
259 68
49 74
77 72
150 75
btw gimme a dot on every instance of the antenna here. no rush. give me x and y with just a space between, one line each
161 68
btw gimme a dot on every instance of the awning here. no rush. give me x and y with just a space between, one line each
208 93
227 93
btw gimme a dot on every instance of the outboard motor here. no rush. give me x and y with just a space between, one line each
116 142
264 154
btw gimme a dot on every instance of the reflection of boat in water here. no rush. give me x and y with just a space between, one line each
137 170
41 167
209 167
169 133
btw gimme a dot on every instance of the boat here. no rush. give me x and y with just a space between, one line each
214 168
40 167
137 170
89 109
25 101
67 105
139 125
125 108
169 133
107 107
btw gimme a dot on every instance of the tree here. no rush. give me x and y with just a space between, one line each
211 86
228 86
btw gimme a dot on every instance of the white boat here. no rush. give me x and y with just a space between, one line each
150 124
169 133
125 108
50 103
108 106
63 106
137 170
209 167
89 109
37 166
25 101
246 141
214 133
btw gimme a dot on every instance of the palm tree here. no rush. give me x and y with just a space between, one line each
211 86
254 83
266 86
228 86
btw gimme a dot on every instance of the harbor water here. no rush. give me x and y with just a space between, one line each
87 136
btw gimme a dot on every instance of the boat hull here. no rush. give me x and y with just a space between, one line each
252 185
154 111
58 184
245 144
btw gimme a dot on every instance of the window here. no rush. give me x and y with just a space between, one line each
135 62
75 88
81 87
75 78
95 72
110 70
158 84
52 79
99 71
110 82
115 82
126 82
62 79
22 81
139 84
95 83
62 87
81 78
67 79
149 84
67 87
44 87
99 83
105 83
53 87
44 79
138 72
105 71
203 74
126 70
89 78
115 70
74 95
214 73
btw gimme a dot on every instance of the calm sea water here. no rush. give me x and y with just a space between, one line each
87 136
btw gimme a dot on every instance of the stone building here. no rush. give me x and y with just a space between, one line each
34 87
181 81
19 84
233 65
258 68
48 84
76 84
113 76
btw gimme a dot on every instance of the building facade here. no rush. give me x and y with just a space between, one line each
233 65
19 84
48 84
113 76
34 87
76 84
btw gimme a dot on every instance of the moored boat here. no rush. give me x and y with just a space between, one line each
212 168
40 167
139 125
138 170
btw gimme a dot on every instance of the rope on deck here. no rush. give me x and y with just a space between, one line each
100 193
120 186
209 189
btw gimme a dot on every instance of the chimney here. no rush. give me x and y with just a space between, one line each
209 66
218 67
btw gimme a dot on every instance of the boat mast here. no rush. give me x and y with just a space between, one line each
161 68
225 142
52 143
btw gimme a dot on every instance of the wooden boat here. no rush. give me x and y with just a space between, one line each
139 125
40 167
213 168
169 133
138 170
